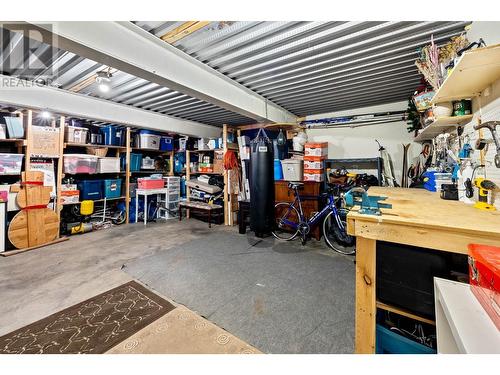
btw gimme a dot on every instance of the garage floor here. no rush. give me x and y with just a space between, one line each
41 282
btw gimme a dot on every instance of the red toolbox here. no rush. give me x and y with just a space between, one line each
484 274
150 183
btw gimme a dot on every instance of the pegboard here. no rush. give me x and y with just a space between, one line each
489 112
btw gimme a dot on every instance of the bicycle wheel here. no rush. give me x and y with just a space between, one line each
284 212
336 237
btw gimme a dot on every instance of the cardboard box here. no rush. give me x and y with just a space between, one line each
205 168
316 149
69 187
315 177
218 162
313 164
70 196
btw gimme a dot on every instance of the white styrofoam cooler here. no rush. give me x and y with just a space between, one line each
293 169
108 165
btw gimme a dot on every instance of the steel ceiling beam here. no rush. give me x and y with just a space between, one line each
26 94
148 57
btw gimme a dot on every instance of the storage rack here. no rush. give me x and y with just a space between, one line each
356 163
473 74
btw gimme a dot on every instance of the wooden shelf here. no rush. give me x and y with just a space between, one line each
200 151
440 125
97 200
93 146
211 173
397 310
474 72
151 150
14 140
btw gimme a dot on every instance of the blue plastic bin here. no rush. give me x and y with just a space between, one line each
388 342
113 135
90 189
113 188
166 143
135 162
278 170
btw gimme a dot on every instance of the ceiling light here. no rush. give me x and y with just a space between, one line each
103 81
46 114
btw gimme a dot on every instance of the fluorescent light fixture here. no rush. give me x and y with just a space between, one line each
103 81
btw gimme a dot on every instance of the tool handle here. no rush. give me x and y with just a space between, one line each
489 124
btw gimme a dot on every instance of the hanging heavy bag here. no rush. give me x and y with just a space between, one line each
261 184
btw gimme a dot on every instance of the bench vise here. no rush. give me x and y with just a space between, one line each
370 205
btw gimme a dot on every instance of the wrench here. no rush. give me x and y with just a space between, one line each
492 127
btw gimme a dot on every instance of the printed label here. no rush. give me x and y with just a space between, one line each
262 148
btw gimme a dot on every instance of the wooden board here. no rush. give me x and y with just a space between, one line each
22 235
476 70
419 212
441 125
44 142
365 296
14 252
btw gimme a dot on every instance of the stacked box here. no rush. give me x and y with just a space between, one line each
314 164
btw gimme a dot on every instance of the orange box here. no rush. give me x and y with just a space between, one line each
314 171
315 177
70 196
314 164
316 149
315 158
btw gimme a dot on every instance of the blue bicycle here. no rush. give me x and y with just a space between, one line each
290 221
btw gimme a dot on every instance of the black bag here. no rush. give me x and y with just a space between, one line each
261 184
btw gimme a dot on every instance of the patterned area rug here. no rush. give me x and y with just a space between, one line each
92 326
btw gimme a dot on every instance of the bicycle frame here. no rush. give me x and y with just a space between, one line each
297 203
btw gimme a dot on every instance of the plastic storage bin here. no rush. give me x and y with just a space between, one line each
90 189
11 164
149 183
388 342
278 171
166 143
113 135
147 139
74 134
108 165
80 163
135 162
112 188
293 169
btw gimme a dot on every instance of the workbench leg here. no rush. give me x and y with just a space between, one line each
365 296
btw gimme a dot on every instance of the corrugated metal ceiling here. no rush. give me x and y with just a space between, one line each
316 67
65 70
306 67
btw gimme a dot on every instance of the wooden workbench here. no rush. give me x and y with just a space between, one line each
417 218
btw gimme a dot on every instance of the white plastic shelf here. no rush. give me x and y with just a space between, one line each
461 322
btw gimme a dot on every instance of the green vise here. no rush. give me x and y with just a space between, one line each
370 205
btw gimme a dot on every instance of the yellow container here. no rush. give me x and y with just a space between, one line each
86 207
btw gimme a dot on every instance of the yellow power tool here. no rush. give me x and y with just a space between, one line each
484 186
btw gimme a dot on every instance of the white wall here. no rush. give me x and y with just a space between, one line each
360 142
488 30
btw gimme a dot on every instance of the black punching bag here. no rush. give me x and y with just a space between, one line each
261 184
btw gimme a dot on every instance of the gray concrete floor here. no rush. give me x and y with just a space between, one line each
41 282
